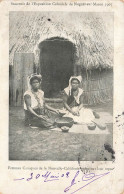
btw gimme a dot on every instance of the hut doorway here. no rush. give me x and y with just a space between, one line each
57 57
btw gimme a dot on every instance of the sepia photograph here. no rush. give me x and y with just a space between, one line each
61 86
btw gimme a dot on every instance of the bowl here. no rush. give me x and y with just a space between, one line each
91 126
65 129
100 125
64 121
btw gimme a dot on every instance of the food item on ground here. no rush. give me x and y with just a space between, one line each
100 125
91 126
65 129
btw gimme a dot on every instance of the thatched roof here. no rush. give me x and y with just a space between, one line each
92 33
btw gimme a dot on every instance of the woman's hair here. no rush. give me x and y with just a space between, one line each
33 78
75 79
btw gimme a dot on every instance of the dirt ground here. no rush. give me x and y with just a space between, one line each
42 144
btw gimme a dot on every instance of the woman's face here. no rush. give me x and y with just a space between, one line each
75 84
35 84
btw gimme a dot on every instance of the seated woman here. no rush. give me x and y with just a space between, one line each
36 110
73 102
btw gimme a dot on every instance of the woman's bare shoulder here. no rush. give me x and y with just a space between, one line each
27 95
28 92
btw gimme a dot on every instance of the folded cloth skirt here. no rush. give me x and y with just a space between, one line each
47 121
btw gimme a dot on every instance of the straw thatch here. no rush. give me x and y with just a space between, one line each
91 34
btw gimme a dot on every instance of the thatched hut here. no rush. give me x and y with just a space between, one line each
59 45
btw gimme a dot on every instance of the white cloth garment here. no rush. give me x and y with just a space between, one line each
39 94
85 115
34 102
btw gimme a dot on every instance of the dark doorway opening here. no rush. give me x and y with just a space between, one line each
56 64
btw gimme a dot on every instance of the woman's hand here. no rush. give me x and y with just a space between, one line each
41 117
75 113
56 111
52 109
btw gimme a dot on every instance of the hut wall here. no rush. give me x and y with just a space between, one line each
97 85
23 65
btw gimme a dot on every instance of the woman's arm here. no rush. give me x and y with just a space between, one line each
27 99
65 97
51 108
81 102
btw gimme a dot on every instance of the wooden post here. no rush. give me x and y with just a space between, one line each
23 66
